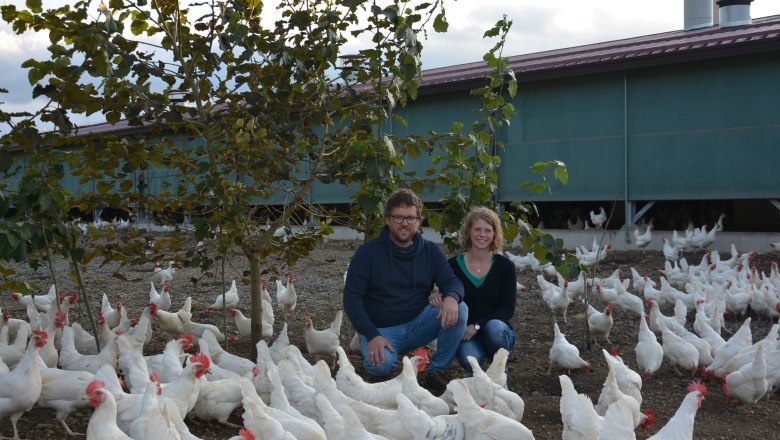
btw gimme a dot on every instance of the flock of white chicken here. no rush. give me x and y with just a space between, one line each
701 295
49 362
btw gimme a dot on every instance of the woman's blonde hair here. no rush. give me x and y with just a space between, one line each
488 215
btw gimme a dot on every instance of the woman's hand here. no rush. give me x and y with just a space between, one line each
470 332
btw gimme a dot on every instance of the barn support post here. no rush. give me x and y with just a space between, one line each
628 205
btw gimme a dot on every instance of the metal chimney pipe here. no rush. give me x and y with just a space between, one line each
734 12
698 14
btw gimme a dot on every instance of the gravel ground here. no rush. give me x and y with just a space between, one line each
318 280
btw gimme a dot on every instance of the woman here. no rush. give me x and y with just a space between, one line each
490 284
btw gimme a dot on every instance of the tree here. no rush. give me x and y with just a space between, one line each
247 116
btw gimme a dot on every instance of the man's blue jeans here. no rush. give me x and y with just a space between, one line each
416 333
494 335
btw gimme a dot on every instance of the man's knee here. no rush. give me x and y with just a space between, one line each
382 369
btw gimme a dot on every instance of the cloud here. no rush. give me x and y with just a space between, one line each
14 50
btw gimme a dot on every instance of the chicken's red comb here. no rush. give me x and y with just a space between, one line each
263 283
201 359
73 296
246 434
41 334
154 378
232 311
94 385
290 277
61 316
422 353
186 337
613 351
696 385
650 420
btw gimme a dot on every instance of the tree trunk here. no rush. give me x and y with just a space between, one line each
257 302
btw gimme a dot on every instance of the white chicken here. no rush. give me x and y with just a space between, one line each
62 391
416 422
286 298
173 323
217 399
600 323
566 355
492 396
483 424
319 342
154 421
628 380
112 315
740 340
599 218
617 422
611 393
13 324
677 350
342 424
184 389
168 364
381 394
557 298
41 302
300 394
649 352
419 396
227 300
749 383
642 239
628 301
161 300
70 359
680 426
580 419
671 252
102 424
12 354
226 360
198 329
21 387
163 275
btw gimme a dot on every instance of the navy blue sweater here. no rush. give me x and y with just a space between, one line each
389 285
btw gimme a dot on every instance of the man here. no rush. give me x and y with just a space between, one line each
388 284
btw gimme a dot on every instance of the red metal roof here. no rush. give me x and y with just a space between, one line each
762 35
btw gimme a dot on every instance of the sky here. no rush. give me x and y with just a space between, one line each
537 26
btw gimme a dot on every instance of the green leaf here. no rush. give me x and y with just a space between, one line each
539 167
35 5
440 23
138 27
562 174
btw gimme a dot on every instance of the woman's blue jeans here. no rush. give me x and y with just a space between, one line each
417 333
494 335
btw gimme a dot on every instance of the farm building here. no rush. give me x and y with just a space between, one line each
679 126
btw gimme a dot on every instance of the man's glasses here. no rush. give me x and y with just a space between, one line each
398 219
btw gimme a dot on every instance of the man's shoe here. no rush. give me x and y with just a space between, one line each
435 382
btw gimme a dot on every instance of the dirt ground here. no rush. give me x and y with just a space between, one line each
319 280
